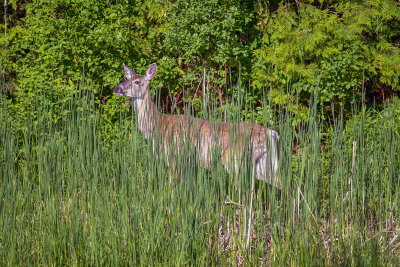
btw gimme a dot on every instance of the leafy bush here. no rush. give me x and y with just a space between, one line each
332 46
335 45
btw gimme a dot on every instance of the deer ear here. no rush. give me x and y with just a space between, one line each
129 73
150 72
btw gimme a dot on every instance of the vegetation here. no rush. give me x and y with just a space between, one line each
79 184
335 44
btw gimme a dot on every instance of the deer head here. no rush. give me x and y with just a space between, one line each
135 86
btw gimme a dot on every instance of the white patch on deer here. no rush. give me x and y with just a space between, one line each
267 162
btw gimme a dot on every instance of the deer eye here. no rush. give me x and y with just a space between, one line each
136 82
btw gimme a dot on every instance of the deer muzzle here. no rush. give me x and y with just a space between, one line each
118 90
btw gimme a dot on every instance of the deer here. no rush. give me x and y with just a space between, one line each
233 140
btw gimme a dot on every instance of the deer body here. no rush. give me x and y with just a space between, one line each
233 140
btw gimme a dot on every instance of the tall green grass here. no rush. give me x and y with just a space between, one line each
72 195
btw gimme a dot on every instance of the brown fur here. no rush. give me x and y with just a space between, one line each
234 140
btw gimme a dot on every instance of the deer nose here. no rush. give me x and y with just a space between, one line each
117 89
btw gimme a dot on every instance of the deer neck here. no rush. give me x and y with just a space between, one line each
146 114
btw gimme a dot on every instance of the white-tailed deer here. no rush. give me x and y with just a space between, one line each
232 140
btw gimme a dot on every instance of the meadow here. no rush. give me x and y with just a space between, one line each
72 195
79 184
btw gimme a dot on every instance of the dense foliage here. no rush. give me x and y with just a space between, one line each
335 45
79 184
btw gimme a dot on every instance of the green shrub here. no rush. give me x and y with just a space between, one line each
335 45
